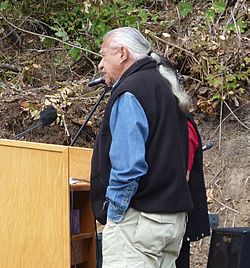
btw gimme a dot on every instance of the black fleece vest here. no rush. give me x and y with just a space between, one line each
164 188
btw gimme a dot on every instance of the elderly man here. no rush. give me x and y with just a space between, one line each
139 164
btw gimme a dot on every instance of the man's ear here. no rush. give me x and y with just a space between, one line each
124 54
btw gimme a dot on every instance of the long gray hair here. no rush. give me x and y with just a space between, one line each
139 47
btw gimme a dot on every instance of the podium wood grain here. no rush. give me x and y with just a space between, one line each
34 203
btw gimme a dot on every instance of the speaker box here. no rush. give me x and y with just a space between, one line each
229 248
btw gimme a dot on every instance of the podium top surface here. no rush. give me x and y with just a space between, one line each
37 145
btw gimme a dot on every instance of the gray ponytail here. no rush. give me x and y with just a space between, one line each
139 48
171 75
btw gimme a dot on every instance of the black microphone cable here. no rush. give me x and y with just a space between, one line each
27 130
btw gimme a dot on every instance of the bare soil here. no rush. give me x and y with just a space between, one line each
226 168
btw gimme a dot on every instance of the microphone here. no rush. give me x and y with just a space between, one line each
96 82
47 116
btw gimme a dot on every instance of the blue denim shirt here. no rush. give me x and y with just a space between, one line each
129 130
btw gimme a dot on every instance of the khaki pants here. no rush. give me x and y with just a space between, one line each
143 240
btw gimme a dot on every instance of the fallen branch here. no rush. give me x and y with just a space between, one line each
217 174
11 68
227 117
236 116
49 37
225 206
233 224
237 31
171 44
65 126
221 113
233 13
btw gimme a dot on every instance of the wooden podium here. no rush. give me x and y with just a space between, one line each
36 201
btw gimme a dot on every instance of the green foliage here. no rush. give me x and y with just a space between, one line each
185 7
231 84
222 66
75 53
240 26
225 84
208 41
86 26
47 42
83 22
210 15
5 5
219 6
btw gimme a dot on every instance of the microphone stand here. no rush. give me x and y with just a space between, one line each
106 89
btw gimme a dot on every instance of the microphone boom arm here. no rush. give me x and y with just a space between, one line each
106 89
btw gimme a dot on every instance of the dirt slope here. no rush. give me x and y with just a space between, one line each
226 168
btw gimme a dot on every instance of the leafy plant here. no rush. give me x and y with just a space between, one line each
198 49
87 26
240 24
185 8
75 53
5 5
224 84
219 6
